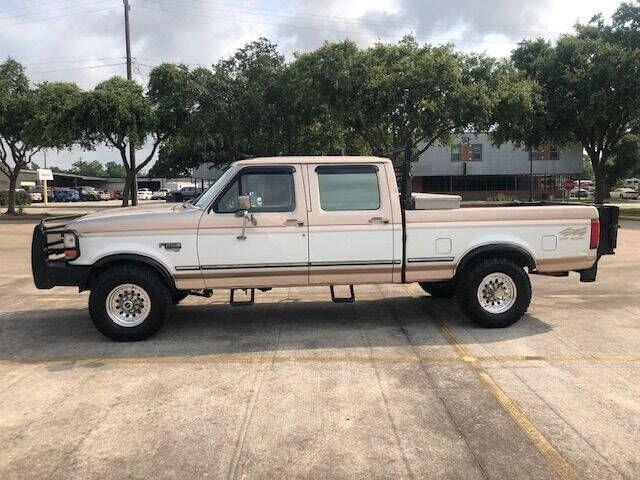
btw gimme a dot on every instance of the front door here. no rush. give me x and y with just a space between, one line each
351 228
274 251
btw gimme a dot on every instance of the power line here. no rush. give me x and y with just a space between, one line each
10 24
46 10
30 7
79 68
219 6
324 29
74 61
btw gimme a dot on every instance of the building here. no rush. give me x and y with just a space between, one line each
471 166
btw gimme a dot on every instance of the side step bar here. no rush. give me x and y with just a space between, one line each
335 299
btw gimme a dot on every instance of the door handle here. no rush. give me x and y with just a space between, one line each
378 220
294 222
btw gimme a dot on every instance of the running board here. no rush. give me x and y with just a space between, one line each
335 299
243 303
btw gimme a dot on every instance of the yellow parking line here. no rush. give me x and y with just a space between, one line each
560 465
237 359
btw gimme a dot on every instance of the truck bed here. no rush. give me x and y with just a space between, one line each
556 236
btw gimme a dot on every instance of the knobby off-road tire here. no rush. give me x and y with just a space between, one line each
444 289
129 303
495 292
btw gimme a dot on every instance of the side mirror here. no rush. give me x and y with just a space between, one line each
244 202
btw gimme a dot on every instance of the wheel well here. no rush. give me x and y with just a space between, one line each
129 259
514 253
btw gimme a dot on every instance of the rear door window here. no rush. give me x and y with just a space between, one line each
348 187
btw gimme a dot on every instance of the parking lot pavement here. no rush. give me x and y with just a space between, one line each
397 385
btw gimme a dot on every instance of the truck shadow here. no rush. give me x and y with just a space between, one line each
294 326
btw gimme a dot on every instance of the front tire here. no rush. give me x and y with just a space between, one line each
444 289
495 293
129 303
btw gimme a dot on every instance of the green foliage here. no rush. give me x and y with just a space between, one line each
626 161
114 170
31 119
90 169
22 198
585 88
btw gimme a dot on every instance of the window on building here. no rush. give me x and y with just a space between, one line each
348 188
455 152
466 152
476 152
544 152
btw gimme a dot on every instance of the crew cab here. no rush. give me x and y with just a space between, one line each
311 221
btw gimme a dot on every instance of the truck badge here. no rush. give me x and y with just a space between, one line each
171 246
571 233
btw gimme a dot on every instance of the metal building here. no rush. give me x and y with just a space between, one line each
473 167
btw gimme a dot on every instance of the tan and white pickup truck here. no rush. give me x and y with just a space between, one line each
298 221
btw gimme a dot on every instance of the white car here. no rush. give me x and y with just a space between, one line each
145 194
160 194
624 192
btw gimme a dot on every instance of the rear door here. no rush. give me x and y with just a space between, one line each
351 228
274 251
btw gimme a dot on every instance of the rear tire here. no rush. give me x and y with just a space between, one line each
495 293
444 289
129 303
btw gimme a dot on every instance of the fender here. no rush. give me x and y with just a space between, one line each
517 252
128 258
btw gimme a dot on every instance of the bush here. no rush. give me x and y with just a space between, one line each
501 197
22 198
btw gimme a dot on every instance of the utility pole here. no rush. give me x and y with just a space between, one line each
133 192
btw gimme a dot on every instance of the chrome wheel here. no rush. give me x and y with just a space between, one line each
128 305
497 293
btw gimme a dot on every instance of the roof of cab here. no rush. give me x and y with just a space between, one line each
312 159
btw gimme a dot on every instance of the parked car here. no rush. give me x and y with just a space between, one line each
624 192
63 194
102 195
160 194
300 221
35 193
183 195
88 193
145 194
579 193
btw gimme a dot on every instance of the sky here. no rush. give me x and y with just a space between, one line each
83 40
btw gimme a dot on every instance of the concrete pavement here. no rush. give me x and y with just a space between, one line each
397 385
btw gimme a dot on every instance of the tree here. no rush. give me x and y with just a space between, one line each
114 170
118 113
32 119
589 89
90 169
626 161
394 96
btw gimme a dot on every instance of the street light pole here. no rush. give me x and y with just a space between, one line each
133 191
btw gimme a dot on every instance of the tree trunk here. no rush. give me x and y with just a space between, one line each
601 183
11 201
126 190
133 191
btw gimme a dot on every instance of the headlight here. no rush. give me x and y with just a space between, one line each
71 245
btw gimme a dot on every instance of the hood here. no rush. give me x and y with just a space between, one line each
161 217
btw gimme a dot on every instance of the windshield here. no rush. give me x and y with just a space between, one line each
206 197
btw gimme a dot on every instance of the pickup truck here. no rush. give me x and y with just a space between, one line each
311 221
